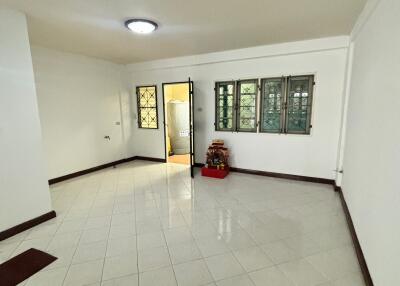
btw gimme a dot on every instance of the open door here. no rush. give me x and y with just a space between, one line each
191 128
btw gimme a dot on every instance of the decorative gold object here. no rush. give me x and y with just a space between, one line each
217 155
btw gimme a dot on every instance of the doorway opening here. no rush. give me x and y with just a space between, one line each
176 101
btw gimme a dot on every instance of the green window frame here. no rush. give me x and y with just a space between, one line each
236 105
272 99
299 104
247 95
286 104
147 106
225 102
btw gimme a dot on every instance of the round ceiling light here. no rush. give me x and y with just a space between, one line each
141 26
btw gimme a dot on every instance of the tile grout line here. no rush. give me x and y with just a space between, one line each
56 232
76 248
109 229
136 230
166 243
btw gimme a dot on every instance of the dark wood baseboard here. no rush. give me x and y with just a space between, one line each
90 170
24 265
356 242
150 159
336 187
278 175
283 176
26 225
101 167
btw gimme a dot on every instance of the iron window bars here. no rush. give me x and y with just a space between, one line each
147 106
285 105
236 105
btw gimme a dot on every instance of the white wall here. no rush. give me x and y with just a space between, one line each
313 155
371 183
80 101
24 193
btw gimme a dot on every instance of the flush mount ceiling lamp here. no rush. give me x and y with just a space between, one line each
141 26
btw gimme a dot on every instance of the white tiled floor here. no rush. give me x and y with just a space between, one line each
149 224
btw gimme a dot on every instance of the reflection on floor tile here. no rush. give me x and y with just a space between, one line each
224 266
253 258
146 223
118 266
162 276
193 273
84 273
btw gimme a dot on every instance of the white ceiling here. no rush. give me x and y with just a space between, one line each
186 27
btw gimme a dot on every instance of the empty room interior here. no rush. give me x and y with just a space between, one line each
199 143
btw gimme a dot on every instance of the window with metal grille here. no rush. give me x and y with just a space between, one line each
147 106
286 104
271 105
225 106
298 106
247 91
236 105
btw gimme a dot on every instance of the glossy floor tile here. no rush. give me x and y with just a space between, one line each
146 223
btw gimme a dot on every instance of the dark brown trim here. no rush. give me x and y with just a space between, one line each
165 132
26 225
278 175
90 170
23 266
160 160
191 123
174 82
283 176
101 167
357 246
336 187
